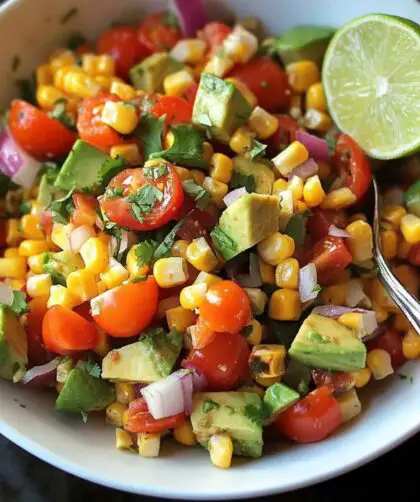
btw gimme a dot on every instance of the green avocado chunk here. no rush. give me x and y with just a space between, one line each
148 360
277 398
247 221
13 346
150 73
83 392
238 414
263 175
412 198
220 107
325 343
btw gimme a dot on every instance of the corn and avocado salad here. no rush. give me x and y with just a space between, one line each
185 245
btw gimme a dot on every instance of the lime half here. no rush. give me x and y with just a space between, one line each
371 77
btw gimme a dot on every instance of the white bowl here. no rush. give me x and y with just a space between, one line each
32 29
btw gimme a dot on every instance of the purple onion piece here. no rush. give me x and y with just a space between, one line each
317 147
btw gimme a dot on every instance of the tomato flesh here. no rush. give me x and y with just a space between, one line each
140 419
319 223
84 212
414 255
157 33
285 134
214 34
391 341
176 110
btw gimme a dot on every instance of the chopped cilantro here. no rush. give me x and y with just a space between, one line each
253 413
156 172
92 368
246 332
317 289
296 228
239 180
164 248
25 207
75 41
59 113
68 15
331 142
169 19
143 201
84 415
257 150
209 405
257 366
139 278
62 208
144 252
225 244
15 63
109 169
149 131
113 193
19 305
196 192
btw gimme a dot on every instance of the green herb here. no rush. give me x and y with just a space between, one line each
15 63
257 150
156 172
144 252
50 266
68 15
209 405
139 278
109 169
84 416
143 201
196 192
256 366
149 131
90 367
170 19
224 243
296 228
246 332
113 192
62 208
75 41
331 140
164 248
317 289
27 89
25 207
59 112
253 413
239 180
264 84
19 305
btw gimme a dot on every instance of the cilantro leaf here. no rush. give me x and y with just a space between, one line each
164 248
296 228
156 172
144 252
209 405
139 278
331 140
169 19
143 201
149 131
109 169
196 192
59 112
257 150
62 208
239 180
19 305
225 244
92 368
317 289
114 192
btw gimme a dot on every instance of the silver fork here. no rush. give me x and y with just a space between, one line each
401 296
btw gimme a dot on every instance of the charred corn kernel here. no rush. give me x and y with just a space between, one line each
60 295
60 235
379 363
313 193
353 320
14 232
31 227
208 279
192 296
271 359
302 75
241 140
255 336
183 173
285 305
122 90
170 272
408 276
47 96
176 84
411 345
125 392
114 413
244 90
361 377
360 243
291 157
258 300
120 116
389 243
410 228
296 186
189 50
393 214
130 152
240 45
43 75
179 248
339 199
350 405
15 284
317 121
114 275
403 248
279 186
276 248
148 444
315 97
123 440
95 255
198 176
287 274
216 189
179 319
31 247
267 272
201 256
219 65
301 207
221 167
76 82
221 450
381 313
324 170
11 253
184 434
38 285
103 345
401 323
82 285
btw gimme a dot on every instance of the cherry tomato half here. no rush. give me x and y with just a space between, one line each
158 32
214 34
140 419
320 221
176 109
37 353
391 341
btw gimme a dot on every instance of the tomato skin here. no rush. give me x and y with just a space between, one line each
46 222
321 220
141 420
65 331
224 360
275 94
190 94
226 307
330 256
84 213
285 134
128 309
391 341
176 109
337 381
37 354
311 419
414 255
157 36
37 133
214 34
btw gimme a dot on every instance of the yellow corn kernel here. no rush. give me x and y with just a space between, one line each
38 285
350 405
276 248
123 439
357 217
403 248
408 276
104 65
339 199
189 50
176 84
122 90
361 377
244 90
379 363
76 82
240 45
216 189
389 243
401 323
183 173
241 140
221 450
296 186
148 444
208 279
201 256
393 214
114 414
179 248
267 381
31 247
82 285
170 272
324 170
60 295
95 255
360 243
291 157
11 253
130 152
47 96
102 346
219 65
272 357
179 319
264 124
61 58
114 275
198 176
120 116
104 81
285 305
287 274
313 193
301 207
125 392
410 228
279 186
353 320
192 297
133 267
315 97
258 300
43 75
60 235
184 434
267 272
302 75
317 121
14 233
31 227
411 345
255 337
15 284
381 313
221 167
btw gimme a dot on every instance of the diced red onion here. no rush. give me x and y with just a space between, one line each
186 379
198 377
79 236
6 294
305 170
369 323
165 398
308 283
44 375
253 279
317 147
138 387
335 311
338 232
354 293
192 15
234 195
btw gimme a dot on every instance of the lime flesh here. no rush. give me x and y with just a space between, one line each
371 78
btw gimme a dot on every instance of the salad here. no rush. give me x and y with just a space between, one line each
185 247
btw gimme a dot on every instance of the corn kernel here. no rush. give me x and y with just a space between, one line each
76 82
360 243
221 450
170 272
114 414
272 357
43 75
114 275
276 248
201 256
280 185
411 345
103 81
401 323
15 284
148 444
123 439
179 248
31 247
258 299
315 97
60 295
301 207
379 363
264 124
339 199
95 255
219 65
124 91
120 116
389 243
408 276
317 121
104 65
193 296
11 253
410 228
184 434
285 305
176 84
287 274
241 141
198 176
221 168
302 75
267 272
361 377
294 155
403 248
350 405
267 381
296 187
130 152
81 284
393 214
216 189
14 233
255 337
208 279
244 90
31 227
133 267
125 392
240 45
179 319
48 95
189 50
39 285
62 57
183 173
60 235
313 193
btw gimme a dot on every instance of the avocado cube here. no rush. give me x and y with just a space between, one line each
263 175
325 343
277 398
412 198
238 414
150 73
220 107
13 346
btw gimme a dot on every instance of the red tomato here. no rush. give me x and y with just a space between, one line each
90 126
214 34
124 46
119 209
84 311
285 134
37 354
176 109
140 419
414 255
65 331
157 32
46 222
224 360
312 418
37 133
84 212
128 309
320 221
190 94
226 307
337 381
353 165
201 334
265 78
197 223
391 341
330 256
